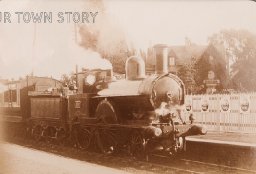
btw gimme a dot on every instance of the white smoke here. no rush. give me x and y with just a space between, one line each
89 59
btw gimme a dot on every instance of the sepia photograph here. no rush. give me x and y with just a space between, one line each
125 86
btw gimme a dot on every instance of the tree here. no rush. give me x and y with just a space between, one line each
240 49
68 80
187 73
211 60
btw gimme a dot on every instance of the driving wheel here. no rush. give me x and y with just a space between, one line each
106 112
106 141
84 138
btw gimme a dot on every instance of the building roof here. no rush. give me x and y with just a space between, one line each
184 53
34 80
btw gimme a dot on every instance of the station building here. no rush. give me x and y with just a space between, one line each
10 94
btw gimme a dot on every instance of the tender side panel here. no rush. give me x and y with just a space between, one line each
46 107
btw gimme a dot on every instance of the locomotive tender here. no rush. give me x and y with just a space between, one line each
141 114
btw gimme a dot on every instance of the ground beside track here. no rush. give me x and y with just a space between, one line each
229 149
24 160
128 164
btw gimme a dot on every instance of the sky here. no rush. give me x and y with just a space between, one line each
52 50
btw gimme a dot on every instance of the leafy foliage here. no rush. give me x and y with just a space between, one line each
68 80
187 73
240 47
211 60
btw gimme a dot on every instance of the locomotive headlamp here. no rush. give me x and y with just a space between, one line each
90 79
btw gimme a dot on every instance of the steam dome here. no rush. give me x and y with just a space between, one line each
135 68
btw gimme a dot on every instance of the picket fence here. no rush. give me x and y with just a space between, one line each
223 112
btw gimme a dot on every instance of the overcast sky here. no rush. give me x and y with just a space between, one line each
51 50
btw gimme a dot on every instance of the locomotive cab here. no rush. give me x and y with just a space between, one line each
92 81
82 105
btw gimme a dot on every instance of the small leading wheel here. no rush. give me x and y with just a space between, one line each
137 145
84 138
106 141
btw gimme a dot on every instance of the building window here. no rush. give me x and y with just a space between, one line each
10 96
171 61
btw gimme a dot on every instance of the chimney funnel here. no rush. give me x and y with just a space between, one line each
161 58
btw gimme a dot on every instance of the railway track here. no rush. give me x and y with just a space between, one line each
192 166
156 164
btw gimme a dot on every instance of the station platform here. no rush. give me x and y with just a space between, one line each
226 138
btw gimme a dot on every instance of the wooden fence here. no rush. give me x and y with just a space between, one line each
224 112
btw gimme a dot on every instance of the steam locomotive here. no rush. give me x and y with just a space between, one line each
140 114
